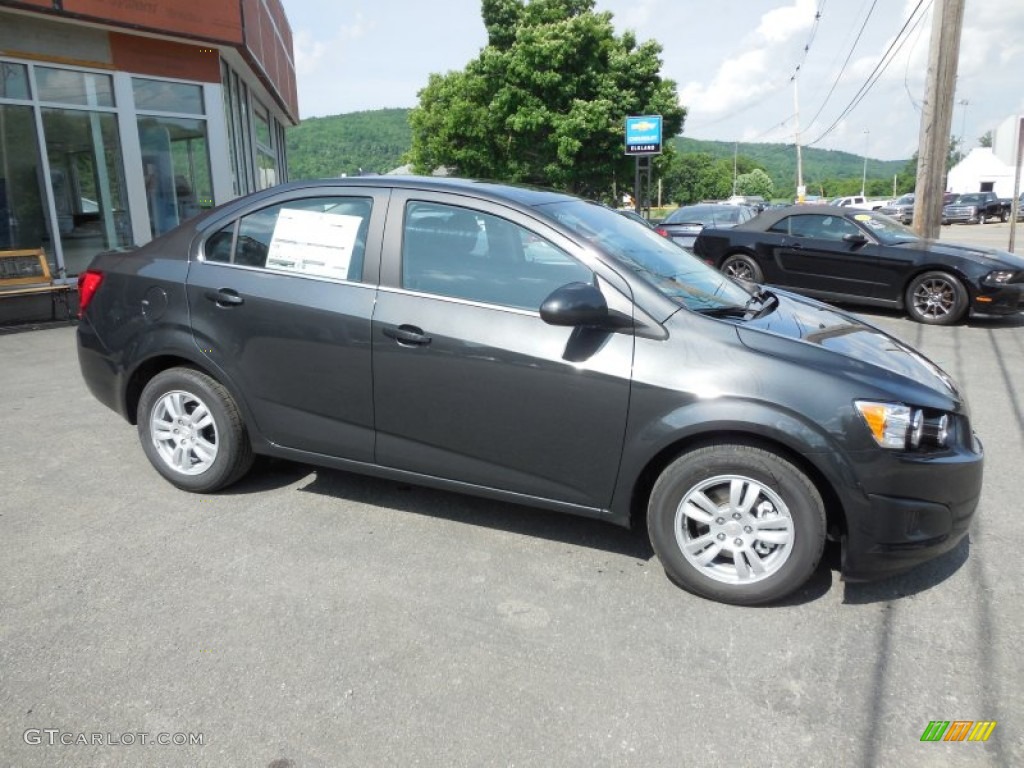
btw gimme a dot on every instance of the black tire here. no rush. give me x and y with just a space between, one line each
788 500
936 298
204 449
741 266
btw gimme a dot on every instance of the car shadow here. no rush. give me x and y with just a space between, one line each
907 585
486 513
972 321
272 474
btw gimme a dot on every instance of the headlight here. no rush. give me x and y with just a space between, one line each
902 428
1000 276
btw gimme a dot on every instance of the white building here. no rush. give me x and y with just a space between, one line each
981 171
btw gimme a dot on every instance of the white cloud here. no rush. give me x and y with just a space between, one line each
779 25
308 53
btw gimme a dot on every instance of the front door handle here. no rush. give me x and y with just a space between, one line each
225 297
408 335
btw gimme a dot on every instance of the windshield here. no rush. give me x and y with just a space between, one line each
887 231
970 199
674 272
707 215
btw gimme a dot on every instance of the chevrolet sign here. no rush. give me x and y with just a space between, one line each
643 135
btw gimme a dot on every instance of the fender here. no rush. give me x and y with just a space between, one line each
655 444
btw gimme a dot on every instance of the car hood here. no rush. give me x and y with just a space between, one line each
977 253
822 336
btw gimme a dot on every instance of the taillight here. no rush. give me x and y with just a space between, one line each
662 232
88 282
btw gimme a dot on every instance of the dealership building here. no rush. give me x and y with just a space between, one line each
120 119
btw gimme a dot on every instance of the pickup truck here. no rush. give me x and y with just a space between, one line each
976 208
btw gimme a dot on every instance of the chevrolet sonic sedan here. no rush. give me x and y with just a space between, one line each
864 257
529 346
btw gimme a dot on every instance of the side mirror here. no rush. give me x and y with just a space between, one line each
575 304
854 239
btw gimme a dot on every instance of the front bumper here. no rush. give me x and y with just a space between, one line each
960 216
1007 299
913 510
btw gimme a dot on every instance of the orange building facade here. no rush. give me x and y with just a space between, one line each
120 119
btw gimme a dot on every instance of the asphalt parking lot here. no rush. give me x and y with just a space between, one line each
315 618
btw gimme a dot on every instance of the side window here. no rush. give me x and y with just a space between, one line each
321 236
466 254
781 226
835 228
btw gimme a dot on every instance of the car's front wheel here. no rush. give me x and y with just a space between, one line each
936 298
736 523
742 266
192 431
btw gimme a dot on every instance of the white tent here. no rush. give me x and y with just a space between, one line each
981 171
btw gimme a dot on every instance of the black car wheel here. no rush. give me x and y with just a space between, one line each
737 524
192 431
936 298
743 267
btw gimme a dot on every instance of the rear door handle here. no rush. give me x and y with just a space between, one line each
408 335
225 297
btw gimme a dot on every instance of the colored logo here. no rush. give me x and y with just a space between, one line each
958 730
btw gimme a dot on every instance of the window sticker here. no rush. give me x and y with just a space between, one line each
862 217
313 243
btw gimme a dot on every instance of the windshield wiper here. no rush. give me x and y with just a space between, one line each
759 304
723 310
768 301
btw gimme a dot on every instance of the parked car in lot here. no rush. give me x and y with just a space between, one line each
684 224
901 209
857 201
532 347
975 208
864 257
634 216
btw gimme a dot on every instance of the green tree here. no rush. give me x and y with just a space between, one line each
757 182
696 176
545 102
985 140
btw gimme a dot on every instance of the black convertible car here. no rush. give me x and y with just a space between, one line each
864 257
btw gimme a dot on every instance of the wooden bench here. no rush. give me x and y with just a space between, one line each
26 273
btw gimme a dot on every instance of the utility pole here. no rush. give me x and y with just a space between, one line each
801 190
864 176
937 115
735 153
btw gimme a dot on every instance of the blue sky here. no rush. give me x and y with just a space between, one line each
732 61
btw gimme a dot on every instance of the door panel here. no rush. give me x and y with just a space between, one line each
295 344
499 398
469 383
814 257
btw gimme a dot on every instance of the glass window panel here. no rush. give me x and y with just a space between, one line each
163 96
262 126
471 255
66 86
23 216
13 81
84 151
321 236
267 169
176 164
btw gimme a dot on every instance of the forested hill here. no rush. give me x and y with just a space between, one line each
779 161
371 142
374 142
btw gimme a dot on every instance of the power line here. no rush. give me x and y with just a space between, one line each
877 72
772 89
847 61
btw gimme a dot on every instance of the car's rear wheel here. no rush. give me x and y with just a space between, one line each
192 431
737 524
936 298
742 266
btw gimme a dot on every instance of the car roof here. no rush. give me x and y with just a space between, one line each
770 216
521 194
